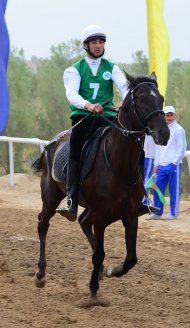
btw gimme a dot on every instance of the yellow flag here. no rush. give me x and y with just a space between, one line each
158 42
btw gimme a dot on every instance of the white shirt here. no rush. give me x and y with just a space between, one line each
149 147
71 79
174 151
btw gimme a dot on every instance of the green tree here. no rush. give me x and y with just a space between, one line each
21 121
53 107
139 65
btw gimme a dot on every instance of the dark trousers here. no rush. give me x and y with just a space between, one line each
83 131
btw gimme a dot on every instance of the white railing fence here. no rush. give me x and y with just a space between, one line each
11 140
42 144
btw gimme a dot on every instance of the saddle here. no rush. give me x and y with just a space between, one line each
88 155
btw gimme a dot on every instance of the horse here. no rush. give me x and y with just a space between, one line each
113 189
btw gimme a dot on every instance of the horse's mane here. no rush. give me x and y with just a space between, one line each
140 79
134 81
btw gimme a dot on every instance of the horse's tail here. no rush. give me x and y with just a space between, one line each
37 163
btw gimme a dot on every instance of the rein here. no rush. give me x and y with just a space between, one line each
123 129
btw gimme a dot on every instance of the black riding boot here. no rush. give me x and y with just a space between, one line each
72 192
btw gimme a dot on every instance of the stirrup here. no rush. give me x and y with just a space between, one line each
153 209
148 209
70 214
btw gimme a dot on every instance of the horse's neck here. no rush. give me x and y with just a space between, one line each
127 118
124 154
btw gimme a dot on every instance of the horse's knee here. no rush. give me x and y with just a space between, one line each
43 225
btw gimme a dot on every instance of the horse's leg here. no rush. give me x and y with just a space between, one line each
43 225
97 257
51 197
131 227
85 220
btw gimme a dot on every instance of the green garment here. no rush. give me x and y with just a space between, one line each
95 88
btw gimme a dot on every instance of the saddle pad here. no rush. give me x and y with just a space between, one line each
88 155
59 169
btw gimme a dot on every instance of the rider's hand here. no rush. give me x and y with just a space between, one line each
94 108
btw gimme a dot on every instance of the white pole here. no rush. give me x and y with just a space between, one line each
187 153
42 148
11 163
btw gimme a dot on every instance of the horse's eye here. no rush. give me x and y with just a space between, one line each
142 99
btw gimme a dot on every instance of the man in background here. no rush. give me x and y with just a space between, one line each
167 165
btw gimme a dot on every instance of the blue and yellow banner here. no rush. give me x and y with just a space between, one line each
4 57
158 42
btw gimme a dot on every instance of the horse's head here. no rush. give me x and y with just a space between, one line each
143 106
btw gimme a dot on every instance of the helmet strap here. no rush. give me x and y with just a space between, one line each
91 54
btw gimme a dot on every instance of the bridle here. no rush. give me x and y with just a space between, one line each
142 120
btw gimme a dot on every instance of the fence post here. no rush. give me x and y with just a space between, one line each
11 163
187 154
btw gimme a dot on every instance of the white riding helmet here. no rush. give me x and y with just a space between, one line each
92 32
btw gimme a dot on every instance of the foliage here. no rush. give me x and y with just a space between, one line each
139 66
38 104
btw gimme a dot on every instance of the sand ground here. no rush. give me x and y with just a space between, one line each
154 294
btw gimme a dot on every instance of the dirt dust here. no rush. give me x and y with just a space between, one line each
154 294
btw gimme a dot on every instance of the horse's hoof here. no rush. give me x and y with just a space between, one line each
93 296
116 271
108 272
39 283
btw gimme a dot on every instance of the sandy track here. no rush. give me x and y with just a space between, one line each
154 294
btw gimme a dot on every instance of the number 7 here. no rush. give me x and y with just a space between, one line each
94 86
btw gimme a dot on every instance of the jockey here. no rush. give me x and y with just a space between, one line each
89 84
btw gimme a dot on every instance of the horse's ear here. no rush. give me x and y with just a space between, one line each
153 76
130 78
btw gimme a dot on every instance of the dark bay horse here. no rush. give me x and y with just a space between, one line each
113 190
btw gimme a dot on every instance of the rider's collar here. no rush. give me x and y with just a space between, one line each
93 61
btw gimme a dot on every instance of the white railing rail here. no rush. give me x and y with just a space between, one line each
11 140
42 144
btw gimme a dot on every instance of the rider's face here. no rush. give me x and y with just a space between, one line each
96 47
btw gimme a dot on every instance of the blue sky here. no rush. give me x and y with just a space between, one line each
36 25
